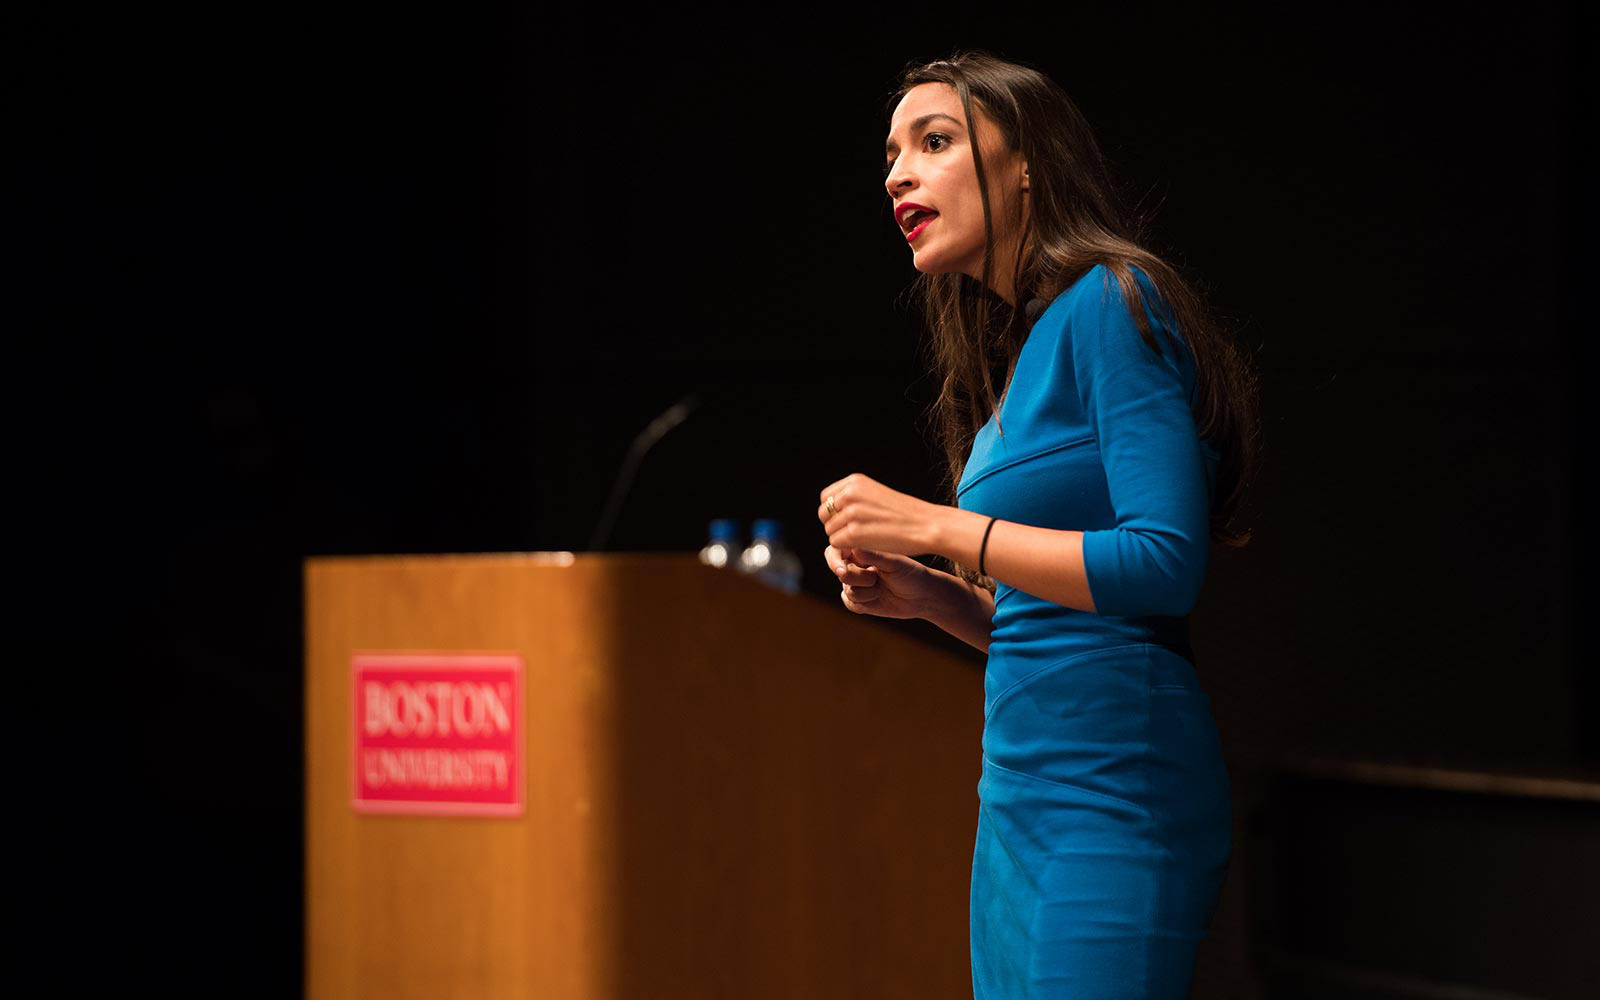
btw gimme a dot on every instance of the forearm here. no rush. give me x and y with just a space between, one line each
1043 562
964 610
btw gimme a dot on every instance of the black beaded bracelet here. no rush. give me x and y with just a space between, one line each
984 547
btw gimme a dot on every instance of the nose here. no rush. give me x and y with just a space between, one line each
897 178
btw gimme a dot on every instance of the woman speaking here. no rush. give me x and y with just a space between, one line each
1085 498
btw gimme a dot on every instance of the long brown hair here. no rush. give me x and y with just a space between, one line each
1076 222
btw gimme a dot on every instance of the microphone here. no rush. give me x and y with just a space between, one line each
643 442
1033 309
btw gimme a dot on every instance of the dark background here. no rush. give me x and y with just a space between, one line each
316 279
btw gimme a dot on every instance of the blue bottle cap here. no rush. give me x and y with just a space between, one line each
724 529
768 529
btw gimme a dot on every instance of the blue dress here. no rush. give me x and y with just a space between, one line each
1104 827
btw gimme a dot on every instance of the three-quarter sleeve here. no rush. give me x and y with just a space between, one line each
1137 404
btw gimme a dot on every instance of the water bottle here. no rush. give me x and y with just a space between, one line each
768 560
723 549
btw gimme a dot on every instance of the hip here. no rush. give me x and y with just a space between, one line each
1129 723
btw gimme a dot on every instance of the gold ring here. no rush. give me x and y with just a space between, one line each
831 508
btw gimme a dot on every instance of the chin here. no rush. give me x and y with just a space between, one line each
941 260
930 263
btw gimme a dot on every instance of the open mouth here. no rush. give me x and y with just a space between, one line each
918 221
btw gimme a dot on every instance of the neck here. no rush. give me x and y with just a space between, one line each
1005 259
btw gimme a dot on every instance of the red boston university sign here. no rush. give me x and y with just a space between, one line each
437 733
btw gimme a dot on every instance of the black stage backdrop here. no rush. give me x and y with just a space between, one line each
303 279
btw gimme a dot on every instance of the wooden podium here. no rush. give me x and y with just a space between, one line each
726 791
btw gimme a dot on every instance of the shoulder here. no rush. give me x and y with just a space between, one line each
1097 317
1097 296
1105 342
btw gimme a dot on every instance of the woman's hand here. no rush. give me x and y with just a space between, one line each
884 584
873 531
858 512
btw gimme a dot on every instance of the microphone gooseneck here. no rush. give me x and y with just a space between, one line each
672 417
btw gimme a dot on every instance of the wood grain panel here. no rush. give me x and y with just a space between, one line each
732 792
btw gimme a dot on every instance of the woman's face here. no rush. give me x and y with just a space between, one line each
928 162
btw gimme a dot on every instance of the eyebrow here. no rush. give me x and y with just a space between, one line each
917 126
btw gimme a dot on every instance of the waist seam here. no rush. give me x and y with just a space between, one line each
1141 810
1009 688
